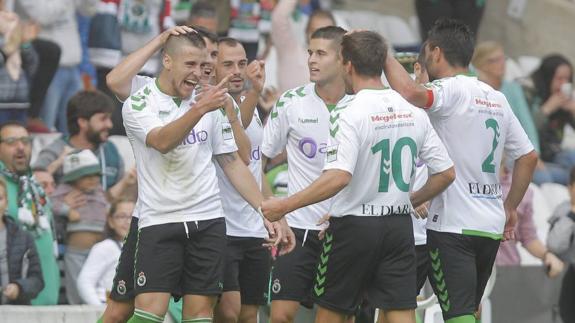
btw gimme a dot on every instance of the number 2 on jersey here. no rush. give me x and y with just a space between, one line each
488 165
392 166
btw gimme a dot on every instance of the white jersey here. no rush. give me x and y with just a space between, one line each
476 124
180 185
380 137
242 220
302 122
419 225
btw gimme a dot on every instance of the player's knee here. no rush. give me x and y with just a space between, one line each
249 315
227 315
117 314
281 317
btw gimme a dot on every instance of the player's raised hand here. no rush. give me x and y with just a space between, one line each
273 209
213 97
176 31
256 73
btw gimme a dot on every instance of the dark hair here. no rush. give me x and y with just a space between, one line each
330 33
319 13
366 50
229 41
203 9
174 42
85 104
206 33
543 76
455 39
421 56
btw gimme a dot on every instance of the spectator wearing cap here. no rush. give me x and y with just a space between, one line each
86 217
89 121
28 205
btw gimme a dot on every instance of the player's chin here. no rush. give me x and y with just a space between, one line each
185 90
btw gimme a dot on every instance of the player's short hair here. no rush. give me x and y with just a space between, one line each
366 50
212 37
229 41
330 33
203 9
175 42
421 56
455 40
85 104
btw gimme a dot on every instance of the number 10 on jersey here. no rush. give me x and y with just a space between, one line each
391 164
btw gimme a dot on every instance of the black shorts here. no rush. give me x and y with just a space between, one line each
247 269
371 256
422 256
123 286
293 274
186 258
460 268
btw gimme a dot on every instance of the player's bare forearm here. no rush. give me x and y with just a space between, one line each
326 186
400 81
119 80
248 107
241 178
168 137
435 184
522 174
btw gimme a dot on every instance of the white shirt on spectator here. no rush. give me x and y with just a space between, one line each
97 274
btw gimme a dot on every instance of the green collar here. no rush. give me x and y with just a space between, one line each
176 100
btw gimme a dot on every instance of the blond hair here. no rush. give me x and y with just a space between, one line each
482 52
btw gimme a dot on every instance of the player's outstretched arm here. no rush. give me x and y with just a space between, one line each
327 185
241 178
400 81
241 138
119 80
435 184
520 179
256 74
168 137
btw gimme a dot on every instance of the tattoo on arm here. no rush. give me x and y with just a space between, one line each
227 158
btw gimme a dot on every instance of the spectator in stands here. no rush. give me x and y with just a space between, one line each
89 123
28 204
86 221
561 240
526 233
244 25
95 279
57 20
18 65
489 62
20 271
204 14
292 69
468 11
553 107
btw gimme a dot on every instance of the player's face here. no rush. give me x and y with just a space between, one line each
208 67
324 61
185 69
562 76
431 61
232 60
421 76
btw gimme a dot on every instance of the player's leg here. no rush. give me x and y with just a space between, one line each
293 275
486 251
158 269
229 305
346 266
120 305
254 279
393 288
453 275
205 253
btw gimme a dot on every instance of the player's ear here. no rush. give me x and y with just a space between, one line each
167 61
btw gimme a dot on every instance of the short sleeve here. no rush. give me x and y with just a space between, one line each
433 152
276 130
517 143
442 96
343 148
139 118
223 141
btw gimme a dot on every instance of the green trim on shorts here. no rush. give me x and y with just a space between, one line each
321 274
483 234
462 319
439 279
136 255
198 320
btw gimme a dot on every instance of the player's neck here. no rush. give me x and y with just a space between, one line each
237 97
451 71
81 142
330 92
165 85
367 83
